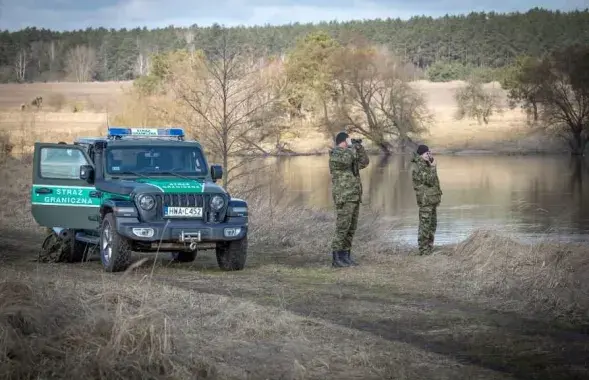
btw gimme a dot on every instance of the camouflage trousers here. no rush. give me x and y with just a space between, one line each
428 222
345 225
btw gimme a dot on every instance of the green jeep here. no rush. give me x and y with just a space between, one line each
141 190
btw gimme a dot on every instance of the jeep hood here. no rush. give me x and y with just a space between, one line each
159 185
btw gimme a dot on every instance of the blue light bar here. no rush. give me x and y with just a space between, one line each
145 132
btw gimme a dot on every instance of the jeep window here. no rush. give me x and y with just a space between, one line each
155 160
61 163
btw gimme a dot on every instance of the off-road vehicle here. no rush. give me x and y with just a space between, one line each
137 189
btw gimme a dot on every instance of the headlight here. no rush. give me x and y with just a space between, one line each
146 202
217 202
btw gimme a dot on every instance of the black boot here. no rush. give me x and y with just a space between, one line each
337 260
346 258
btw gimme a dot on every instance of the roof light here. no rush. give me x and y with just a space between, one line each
145 132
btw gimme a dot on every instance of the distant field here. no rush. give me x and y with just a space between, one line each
96 94
72 109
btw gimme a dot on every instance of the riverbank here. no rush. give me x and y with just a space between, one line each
486 308
442 152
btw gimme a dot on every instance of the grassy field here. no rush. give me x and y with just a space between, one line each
81 109
488 308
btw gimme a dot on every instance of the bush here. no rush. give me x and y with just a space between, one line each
475 102
450 71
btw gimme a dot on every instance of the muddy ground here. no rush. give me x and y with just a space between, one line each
291 317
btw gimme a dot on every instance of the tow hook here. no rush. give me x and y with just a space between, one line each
190 237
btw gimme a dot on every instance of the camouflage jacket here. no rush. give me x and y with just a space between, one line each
344 166
425 182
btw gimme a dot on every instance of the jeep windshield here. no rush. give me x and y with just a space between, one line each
155 160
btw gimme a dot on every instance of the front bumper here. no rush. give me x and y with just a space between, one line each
173 230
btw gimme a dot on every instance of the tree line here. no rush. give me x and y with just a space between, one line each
237 102
445 48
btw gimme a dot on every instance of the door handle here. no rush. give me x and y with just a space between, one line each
95 194
43 190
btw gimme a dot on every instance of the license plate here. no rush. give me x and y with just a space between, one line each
186 212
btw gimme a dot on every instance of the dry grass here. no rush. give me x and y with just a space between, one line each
551 278
288 315
79 109
15 177
58 331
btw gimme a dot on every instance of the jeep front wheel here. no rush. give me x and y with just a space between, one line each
232 255
115 250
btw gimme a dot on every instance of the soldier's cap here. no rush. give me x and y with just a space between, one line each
422 149
341 137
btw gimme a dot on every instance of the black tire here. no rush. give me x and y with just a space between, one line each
120 251
75 251
184 256
232 255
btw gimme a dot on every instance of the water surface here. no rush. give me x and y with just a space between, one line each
530 197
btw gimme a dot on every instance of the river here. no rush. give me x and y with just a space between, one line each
528 198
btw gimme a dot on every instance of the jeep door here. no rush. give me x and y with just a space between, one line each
59 198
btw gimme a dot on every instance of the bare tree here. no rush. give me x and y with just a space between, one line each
374 97
37 56
81 63
230 98
142 62
21 63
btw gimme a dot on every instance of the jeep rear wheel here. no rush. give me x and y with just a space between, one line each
115 250
232 255
63 248
184 256
75 251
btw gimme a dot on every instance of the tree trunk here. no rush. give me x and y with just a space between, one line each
385 147
578 142
225 169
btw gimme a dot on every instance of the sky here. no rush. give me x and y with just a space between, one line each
80 14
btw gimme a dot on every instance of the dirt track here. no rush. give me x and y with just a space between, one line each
429 337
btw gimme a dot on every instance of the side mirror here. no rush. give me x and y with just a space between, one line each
87 173
216 172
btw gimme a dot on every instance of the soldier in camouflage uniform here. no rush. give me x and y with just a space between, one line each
429 195
345 162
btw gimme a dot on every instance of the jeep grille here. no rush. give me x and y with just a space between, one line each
190 200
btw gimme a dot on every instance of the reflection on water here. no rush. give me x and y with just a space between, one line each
528 196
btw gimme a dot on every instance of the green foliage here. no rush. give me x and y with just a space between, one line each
147 85
162 65
446 71
309 69
563 94
523 81
473 40
450 71
475 102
